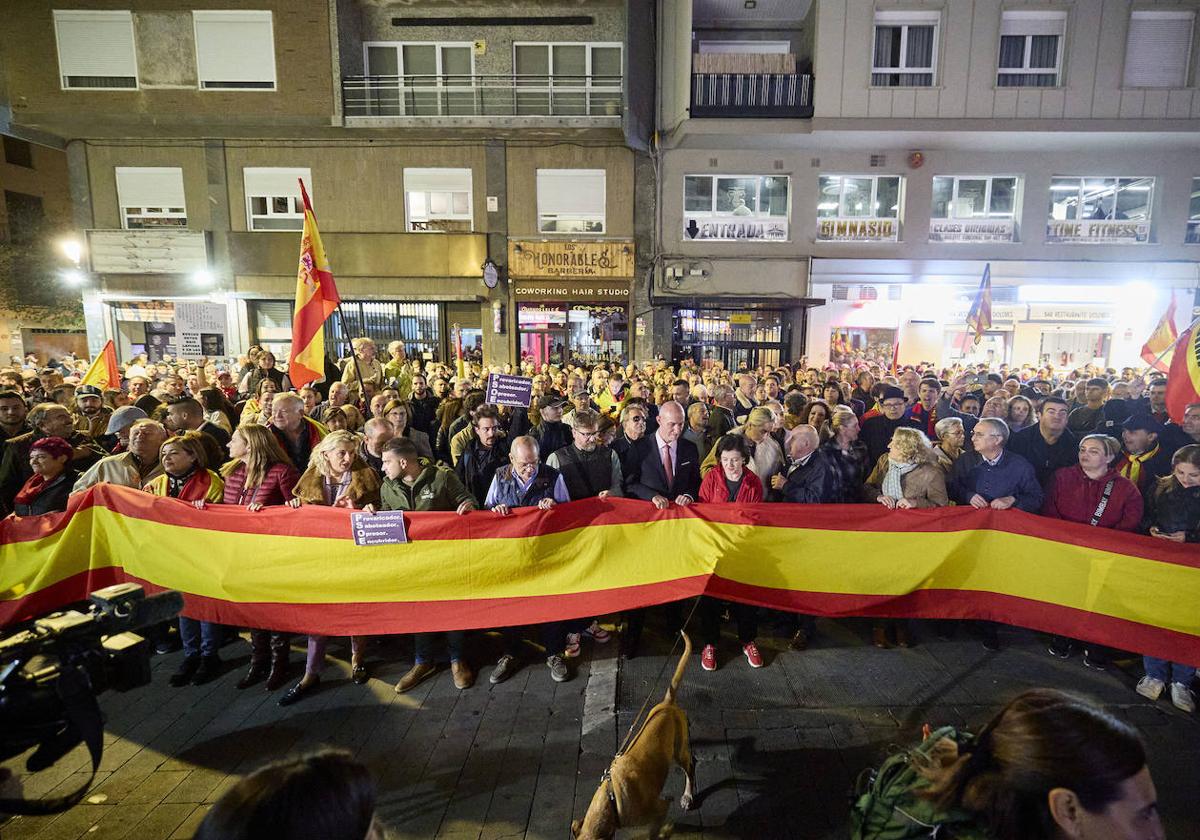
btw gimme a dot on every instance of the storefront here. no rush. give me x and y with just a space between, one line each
734 337
163 328
571 301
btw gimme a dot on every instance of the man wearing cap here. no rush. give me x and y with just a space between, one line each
876 432
116 435
1143 460
552 434
135 467
91 414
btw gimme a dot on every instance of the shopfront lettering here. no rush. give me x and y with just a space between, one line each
858 230
566 260
980 230
734 230
572 291
1095 231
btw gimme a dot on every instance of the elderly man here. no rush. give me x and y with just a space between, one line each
296 432
552 434
667 467
720 419
876 432
91 414
362 367
376 433
133 468
589 468
697 430
46 420
116 434
744 397
485 453
1048 445
1143 460
339 397
635 417
809 478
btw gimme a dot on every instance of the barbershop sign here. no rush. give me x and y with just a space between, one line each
569 260
1097 232
858 230
574 290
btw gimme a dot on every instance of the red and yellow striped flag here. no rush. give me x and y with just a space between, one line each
316 299
104 372
1183 381
1162 340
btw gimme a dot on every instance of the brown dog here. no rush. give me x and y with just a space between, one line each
629 793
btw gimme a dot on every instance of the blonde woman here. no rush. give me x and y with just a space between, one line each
766 455
336 477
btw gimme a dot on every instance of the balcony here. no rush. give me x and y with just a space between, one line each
734 85
482 100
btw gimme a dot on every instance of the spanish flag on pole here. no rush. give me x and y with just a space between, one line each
1156 350
316 299
1183 381
103 372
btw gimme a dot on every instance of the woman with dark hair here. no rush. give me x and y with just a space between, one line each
730 482
1048 766
326 794
46 491
218 410
399 414
816 413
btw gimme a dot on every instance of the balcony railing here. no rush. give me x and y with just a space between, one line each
447 95
778 95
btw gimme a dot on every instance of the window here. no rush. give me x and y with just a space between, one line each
438 199
1031 49
1158 48
18 152
95 50
235 50
735 207
567 79
973 208
25 215
418 325
151 197
570 200
582 333
905 49
859 207
273 199
426 79
1193 228
1100 210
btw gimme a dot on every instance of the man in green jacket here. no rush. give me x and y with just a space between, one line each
409 484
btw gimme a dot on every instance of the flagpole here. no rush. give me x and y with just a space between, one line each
362 391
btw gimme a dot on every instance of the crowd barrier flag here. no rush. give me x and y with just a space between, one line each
1158 347
300 571
316 299
103 372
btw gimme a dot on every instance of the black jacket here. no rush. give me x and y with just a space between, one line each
876 433
814 482
1176 508
650 479
53 498
1046 458
477 466
551 437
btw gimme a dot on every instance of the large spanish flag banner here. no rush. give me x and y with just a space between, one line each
1183 381
301 571
316 299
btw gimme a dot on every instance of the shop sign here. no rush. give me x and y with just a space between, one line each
200 329
1097 232
1000 312
563 260
971 230
734 229
858 230
163 251
640 326
582 290
1057 313
742 318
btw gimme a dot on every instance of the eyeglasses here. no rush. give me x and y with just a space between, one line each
893 404
637 418
586 435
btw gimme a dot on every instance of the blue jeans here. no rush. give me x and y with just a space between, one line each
429 646
1168 672
200 638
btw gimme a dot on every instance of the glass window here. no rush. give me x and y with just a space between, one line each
273 199
568 78
859 197
905 49
439 200
1030 49
235 50
1193 228
584 333
151 196
973 197
1099 199
95 49
416 324
736 207
571 200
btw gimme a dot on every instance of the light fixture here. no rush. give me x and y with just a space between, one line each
72 248
203 277
74 277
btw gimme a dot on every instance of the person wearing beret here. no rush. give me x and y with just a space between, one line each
46 491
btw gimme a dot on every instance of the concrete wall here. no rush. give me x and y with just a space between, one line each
103 158
47 179
968 45
524 161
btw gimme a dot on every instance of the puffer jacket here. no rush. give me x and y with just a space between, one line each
275 489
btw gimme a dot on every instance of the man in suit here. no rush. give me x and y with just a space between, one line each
667 465
667 469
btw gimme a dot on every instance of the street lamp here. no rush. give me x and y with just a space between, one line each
74 277
72 248
203 277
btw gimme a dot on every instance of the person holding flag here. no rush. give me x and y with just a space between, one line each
316 299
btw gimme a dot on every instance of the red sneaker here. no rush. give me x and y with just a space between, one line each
752 655
708 658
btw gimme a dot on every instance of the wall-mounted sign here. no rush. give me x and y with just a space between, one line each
858 230
1097 232
581 290
971 230
565 260
742 318
1000 312
199 329
733 229
1079 313
164 251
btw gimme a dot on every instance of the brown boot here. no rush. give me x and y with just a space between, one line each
416 675
902 638
279 669
879 636
464 677
257 671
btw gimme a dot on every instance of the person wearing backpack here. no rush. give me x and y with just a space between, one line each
1048 766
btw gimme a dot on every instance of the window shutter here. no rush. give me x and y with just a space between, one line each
1033 23
150 186
96 45
276 181
437 180
572 191
235 49
1156 53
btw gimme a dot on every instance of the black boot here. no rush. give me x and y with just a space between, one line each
187 670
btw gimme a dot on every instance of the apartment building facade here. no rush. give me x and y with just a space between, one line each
837 174
468 168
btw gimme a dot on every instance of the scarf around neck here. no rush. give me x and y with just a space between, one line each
892 480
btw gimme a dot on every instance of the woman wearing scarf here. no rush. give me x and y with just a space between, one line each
905 477
47 489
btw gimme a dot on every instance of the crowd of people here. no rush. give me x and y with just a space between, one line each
1090 446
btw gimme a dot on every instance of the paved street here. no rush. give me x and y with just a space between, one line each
777 750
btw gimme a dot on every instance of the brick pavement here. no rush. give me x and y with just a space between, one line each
777 750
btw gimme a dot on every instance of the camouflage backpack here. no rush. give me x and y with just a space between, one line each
888 805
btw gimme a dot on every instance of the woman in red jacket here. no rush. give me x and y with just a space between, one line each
730 483
261 475
1094 493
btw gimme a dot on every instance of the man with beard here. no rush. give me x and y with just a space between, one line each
589 469
91 414
13 411
424 406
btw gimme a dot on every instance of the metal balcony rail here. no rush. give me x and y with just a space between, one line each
780 95
451 95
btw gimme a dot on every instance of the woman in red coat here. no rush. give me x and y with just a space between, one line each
261 475
730 483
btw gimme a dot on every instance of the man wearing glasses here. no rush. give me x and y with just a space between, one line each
590 469
876 432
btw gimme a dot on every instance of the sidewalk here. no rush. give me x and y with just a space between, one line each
777 749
